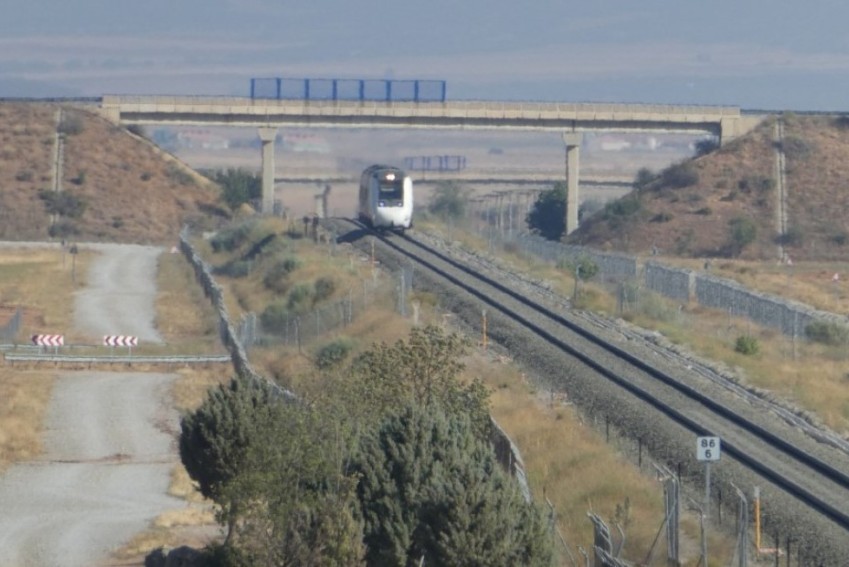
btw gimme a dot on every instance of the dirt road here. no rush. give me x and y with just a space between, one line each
110 438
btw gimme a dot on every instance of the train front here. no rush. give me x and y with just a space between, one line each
394 207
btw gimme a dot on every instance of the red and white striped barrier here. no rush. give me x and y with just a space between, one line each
48 340
120 340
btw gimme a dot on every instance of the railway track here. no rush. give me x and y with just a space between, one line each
663 402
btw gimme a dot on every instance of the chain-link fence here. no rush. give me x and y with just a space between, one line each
10 330
388 289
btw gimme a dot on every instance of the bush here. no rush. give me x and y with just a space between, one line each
63 203
300 298
679 176
797 148
230 238
742 232
62 229
747 345
23 176
333 354
705 211
275 318
234 269
756 183
324 288
644 177
277 277
827 333
623 207
662 217
706 146
71 125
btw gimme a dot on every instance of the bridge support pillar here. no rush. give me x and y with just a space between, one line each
573 147
267 135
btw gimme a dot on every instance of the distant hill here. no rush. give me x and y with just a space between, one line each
685 210
128 189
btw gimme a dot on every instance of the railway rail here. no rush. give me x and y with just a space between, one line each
664 402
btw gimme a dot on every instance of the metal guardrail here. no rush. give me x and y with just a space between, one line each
112 359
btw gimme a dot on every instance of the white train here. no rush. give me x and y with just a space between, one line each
386 198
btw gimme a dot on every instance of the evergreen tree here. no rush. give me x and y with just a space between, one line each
423 369
548 214
430 488
215 439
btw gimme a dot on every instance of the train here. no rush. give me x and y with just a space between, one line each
386 198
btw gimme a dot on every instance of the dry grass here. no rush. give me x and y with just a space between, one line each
184 316
133 191
39 283
23 402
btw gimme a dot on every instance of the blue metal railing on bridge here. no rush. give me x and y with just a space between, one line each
435 163
381 90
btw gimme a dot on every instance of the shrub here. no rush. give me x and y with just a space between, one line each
145 176
827 333
662 217
117 222
234 269
747 344
706 211
333 353
644 177
275 318
679 176
62 229
71 125
79 179
742 232
623 207
706 146
324 288
63 203
840 238
277 277
797 148
230 238
23 176
758 183
300 297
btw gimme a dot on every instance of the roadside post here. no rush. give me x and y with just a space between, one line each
708 449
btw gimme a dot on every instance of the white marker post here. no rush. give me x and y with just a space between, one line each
708 449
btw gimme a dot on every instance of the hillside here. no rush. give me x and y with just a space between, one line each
115 186
685 210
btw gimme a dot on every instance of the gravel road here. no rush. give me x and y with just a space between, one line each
110 439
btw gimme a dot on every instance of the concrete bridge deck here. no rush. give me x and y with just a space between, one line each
723 121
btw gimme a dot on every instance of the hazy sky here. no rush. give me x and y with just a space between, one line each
756 54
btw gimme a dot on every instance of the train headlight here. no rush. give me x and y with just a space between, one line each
381 204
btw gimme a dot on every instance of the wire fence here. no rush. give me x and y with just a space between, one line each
10 330
385 288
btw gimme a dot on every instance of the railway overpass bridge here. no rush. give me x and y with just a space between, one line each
570 119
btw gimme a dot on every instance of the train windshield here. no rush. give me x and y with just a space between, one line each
391 186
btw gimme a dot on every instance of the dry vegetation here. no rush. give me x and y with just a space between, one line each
739 179
132 191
